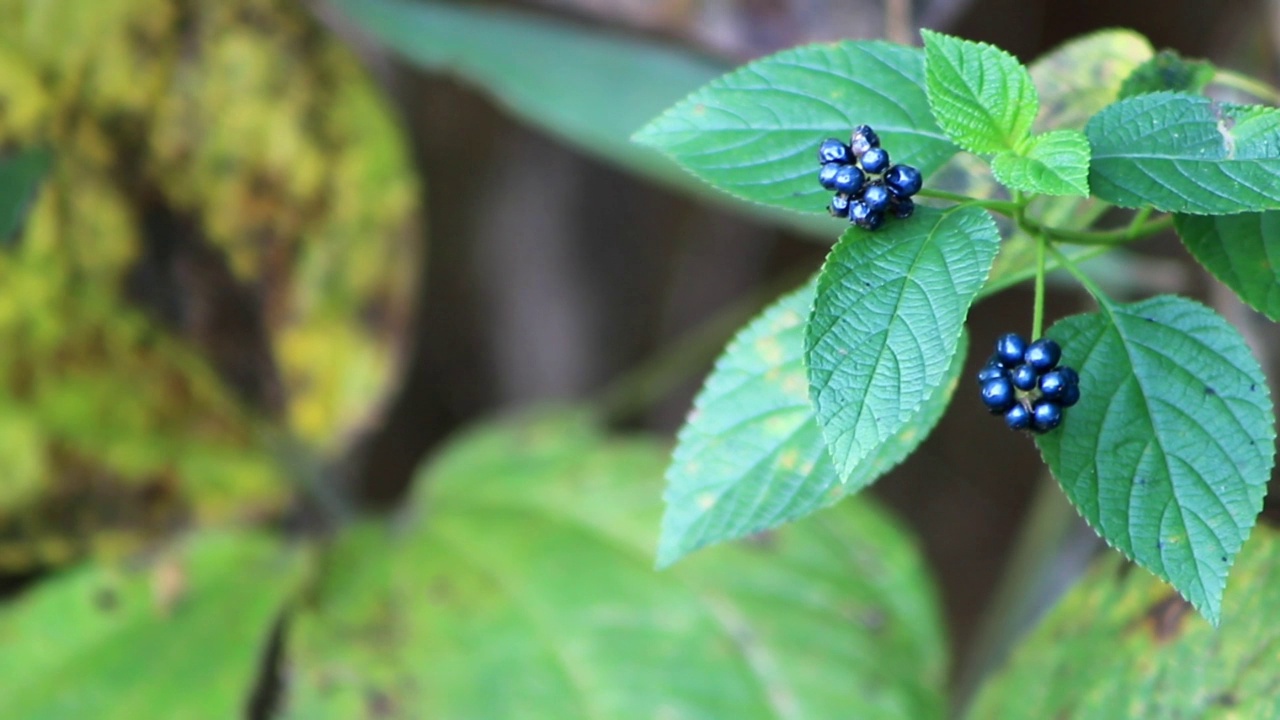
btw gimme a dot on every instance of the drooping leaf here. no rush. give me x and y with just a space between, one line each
1080 77
1168 71
1168 453
1055 163
525 588
1120 644
1186 154
20 176
981 95
755 132
751 456
1240 250
137 642
886 322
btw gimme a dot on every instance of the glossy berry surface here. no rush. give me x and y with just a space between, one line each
1024 377
1070 396
991 372
998 395
1054 384
865 217
849 180
903 180
875 161
832 150
1010 348
862 140
1045 416
876 197
839 206
902 208
1018 417
827 175
1043 355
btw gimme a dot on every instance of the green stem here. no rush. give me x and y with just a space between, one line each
1004 207
1099 237
1246 84
1139 219
1037 313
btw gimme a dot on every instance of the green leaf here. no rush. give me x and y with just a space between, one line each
1121 645
1055 163
1186 154
1082 76
20 177
981 95
1240 251
1168 71
180 638
887 320
751 457
525 588
1168 454
755 132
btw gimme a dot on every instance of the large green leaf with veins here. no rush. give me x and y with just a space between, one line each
1168 454
751 455
524 588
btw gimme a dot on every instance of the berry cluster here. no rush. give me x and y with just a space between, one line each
867 186
1025 383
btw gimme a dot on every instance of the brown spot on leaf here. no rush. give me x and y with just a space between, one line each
379 704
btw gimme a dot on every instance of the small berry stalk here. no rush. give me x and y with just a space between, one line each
869 188
1024 383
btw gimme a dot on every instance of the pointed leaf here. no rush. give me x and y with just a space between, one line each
1241 251
751 457
1186 154
1168 454
525 588
887 320
1168 71
180 638
981 95
1055 163
1121 645
755 132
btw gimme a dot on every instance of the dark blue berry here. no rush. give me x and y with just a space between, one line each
876 197
875 160
998 395
902 208
863 216
1018 417
1010 348
991 372
832 150
1070 396
1043 355
839 206
1069 374
1024 377
1045 416
903 180
849 179
1054 384
827 175
862 140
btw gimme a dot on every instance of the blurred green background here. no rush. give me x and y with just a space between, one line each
260 260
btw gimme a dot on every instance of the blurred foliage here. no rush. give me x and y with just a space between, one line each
180 636
523 586
222 259
1123 644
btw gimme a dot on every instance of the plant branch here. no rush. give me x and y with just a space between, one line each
1066 262
1004 207
1248 85
1118 236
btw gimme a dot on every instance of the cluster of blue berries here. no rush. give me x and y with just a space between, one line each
867 186
1025 383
